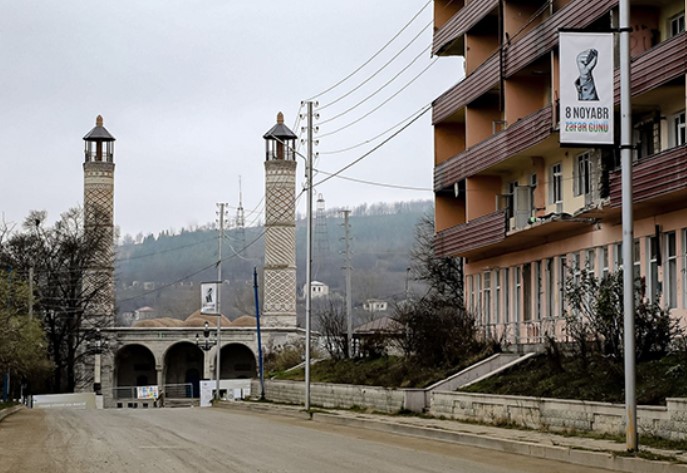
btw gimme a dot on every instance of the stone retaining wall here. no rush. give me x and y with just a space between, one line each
561 415
328 395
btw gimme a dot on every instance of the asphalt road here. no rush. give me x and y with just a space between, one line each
219 440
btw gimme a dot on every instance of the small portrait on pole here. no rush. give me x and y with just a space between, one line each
208 298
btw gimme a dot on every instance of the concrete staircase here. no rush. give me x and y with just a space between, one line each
479 371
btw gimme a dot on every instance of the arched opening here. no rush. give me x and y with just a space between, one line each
183 366
134 366
237 362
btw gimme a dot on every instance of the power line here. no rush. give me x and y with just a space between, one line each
425 110
378 184
382 68
363 143
381 104
374 55
350 109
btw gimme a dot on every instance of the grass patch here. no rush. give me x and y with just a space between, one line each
602 380
387 371
5 405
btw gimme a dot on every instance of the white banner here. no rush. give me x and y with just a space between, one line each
586 88
208 298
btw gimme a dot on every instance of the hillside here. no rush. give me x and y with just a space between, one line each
162 272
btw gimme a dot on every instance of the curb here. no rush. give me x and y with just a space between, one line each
573 456
9 411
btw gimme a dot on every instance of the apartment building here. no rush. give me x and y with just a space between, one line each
522 209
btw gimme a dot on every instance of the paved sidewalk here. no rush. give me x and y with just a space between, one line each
576 450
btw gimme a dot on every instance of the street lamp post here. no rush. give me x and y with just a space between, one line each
207 343
97 345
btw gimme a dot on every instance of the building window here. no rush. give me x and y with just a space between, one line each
654 256
497 296
478 296
471 288
538 289
487 297
516 298
556 193
506 295
527 291
562 268
583 177
645 137
589 263
618 256
670 274
550 285
678 138
637 268
677 24
510 196
605 265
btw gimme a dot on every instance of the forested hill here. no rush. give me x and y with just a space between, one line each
159 271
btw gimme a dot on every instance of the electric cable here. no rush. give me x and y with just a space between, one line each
363 143
374 55
425 110
383 103
353 107
337 100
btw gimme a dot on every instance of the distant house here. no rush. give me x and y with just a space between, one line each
375 305
378 337
144 313
317 289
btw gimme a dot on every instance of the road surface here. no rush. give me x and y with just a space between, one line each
219 440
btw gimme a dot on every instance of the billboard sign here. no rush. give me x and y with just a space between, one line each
586 88
209 292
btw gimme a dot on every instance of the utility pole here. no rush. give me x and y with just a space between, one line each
347 268
308 250
222 212
257 324
631 440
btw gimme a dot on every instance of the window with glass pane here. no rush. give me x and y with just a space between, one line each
670 272
506 295
556 184
654 288
677 24
497 296
679 128
583 183
487 297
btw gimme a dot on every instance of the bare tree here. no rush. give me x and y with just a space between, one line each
60 256
333 329
443 275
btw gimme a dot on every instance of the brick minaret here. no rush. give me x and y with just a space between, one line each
279 307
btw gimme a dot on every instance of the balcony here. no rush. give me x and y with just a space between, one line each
657 181
657 66
466 18
518 137
470 236
473 86
539 41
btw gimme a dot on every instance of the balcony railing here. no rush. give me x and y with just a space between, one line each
462 21
539 41
653 177
477 233
657 66
518 137
474 85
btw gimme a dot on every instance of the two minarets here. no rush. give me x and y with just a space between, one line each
279 305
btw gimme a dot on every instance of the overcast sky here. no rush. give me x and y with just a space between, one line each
188 88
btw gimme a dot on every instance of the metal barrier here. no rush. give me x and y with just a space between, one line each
178 391
124 392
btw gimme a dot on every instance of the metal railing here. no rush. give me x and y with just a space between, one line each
178 391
